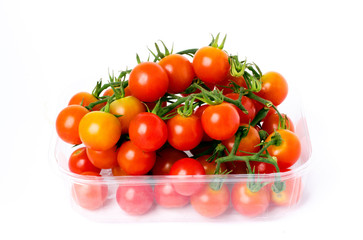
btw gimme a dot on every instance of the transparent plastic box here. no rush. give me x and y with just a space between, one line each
95 197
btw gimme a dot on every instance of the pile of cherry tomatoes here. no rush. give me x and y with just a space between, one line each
191 113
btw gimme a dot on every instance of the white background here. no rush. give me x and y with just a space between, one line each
49 46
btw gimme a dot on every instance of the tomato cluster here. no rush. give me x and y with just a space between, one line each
212 114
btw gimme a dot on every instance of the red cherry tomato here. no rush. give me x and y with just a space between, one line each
183 167
249 203
248 144
211 203
148 131
99 130
128 107
165 159
288 152
67 123
166 196
274 88
135 199
248 104
90 196
198 112
184 133
86 99
103 159
221 121
290 196
271 123
148 81
210 167
180 72
133 160
79 162
262 168
211 64
227 83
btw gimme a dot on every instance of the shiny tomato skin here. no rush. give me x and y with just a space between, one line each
86 99
133 160
210 167
80 163
288 152
198 112
148 131
180 72
211 203
165 158
249 203
211 64
90 196
135 200
262 167
184 133
249 106
67 123
274 88
184 167
166 196
99 130
290 196
271 123
221 121
148 81
103 159
128 107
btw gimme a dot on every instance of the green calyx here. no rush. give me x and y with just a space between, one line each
215 40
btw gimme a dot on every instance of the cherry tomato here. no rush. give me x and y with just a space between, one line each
99 130
79 162
67 123
183 167
271 123
290 196
109 92
274 88
221 121
262 168
148 131
180 72
184 133
227 83
210 167
288 152
135 199
90 196
248 144
211 64
86 99
148 81
165 159
167 197
248 104
128 107
103 159
211 203
249 203
198 112
118 171
133 160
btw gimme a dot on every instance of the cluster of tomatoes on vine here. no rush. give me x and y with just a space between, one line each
172 116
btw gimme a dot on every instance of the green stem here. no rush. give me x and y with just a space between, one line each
188 51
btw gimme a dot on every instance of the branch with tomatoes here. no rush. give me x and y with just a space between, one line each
221 109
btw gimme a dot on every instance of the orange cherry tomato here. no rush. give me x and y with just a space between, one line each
99 130
103 159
